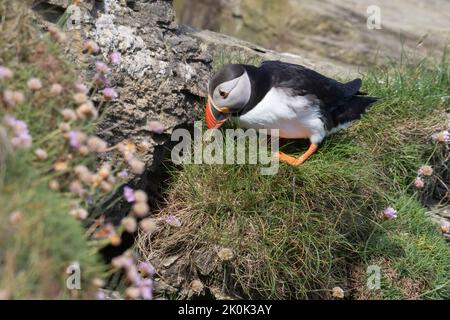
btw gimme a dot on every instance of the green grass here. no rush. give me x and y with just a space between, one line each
301 232
36 252
410 252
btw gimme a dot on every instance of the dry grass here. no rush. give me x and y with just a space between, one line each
406 287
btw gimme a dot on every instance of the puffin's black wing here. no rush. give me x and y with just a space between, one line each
303 81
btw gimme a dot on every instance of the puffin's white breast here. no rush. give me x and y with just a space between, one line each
294 116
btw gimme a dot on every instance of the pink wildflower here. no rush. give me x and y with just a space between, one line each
173 221
22 138
109 94
128 194
34 84
390 213
445 227
115 57
101 80
123 174
442 137
102 68
5 73
419 183
76 139
425 171
147 268
155 127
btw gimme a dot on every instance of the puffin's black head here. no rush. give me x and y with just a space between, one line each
228 92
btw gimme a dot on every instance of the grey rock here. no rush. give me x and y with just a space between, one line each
333 29
162 75
440 215
160 287
218 43
206 261
170 261
64 4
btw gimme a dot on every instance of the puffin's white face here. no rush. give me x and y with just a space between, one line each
233 94
229 92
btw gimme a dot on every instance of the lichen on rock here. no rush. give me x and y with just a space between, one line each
161 77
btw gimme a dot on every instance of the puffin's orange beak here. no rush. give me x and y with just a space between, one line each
214 118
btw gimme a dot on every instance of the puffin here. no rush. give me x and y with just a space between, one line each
301 103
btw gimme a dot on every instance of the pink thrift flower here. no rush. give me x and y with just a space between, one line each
425 171
76 139
56 89
115 57
10 121
109 94
128 194
22 138
8 98
133 275
122 262
442 137
156 127
123 174
445 227
146 293
13 98
81 88
102 68
419 183
173 221
34 84
23 141
5 73
100 295
91 47
101 80
390 213
147 268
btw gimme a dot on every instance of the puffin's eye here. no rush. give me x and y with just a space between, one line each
223 94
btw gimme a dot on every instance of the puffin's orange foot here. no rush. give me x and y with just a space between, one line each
297 161
290 160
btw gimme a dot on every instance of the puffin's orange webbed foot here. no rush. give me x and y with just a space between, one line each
297 161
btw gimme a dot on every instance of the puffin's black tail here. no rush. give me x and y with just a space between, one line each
352 109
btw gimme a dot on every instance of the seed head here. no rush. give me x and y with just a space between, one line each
91 47
41 154
129 224
225 254
337 293
148 225
34 84
68 114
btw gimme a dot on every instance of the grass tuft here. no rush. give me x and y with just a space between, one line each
301 232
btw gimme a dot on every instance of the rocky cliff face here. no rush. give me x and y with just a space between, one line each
162 75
